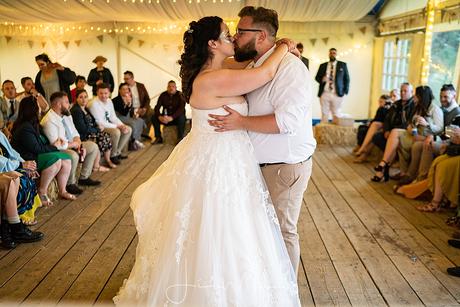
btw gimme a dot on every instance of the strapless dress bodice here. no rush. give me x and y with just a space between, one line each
200 117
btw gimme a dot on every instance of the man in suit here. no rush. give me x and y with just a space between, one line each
302 58
141 100
9 106
334 83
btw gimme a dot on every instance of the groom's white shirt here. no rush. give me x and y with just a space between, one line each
289 96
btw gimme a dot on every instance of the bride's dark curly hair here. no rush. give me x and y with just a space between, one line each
196 51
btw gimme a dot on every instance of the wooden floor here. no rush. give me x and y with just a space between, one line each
360 243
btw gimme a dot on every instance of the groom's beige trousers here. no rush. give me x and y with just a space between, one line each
286 184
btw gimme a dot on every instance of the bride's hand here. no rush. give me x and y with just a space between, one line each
232 121
289 42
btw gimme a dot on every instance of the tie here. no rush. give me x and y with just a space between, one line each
11 108
68 134
331 76
107 116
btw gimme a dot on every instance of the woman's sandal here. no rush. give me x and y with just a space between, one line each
430 207
101 169
384 169
30 222
68 196
46 201
454 221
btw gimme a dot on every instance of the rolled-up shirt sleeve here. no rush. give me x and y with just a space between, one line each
291 98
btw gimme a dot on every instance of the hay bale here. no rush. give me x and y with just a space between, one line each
335 135
170 135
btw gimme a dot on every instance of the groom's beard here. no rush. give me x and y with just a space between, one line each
247 52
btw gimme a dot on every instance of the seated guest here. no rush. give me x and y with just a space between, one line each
423 152
100 74
398 116
141 100
52 77
9 106
444 179
394 95
60 130
374 127
426 122
29 90
27 200
129 115
80 83
170 110
32 145
88 130
12 230
104 113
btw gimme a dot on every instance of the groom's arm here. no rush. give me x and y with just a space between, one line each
235 121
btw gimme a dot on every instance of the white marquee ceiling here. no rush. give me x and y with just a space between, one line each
72 11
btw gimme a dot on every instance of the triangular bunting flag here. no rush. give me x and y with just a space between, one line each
43 44
313 41
100 38
325 40
66 44
141 42
130 38
8 38
351 35
363 30
77 42
112 34
31 44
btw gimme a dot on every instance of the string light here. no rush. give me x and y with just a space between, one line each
426 60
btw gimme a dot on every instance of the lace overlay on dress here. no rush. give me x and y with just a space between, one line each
208 232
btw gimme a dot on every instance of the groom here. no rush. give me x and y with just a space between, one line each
279 121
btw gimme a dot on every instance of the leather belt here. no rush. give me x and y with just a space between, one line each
279 163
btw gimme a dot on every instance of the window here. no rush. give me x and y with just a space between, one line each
395 63
445 59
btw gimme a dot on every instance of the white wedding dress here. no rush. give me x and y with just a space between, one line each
208 233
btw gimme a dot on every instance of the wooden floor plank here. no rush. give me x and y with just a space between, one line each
406 207
405 237
54 219
361 244
386 276
23 282
325 284
120 273
356 281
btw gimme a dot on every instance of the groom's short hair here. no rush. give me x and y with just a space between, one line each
262 17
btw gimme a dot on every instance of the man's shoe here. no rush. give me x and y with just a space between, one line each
73 189
89 182
157 141
22 234
122 157
145 136
115 160
7 239
455 271
139 144
454 243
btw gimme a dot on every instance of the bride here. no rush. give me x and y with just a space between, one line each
208 233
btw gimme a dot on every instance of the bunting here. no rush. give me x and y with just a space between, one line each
325 40
141 42
66 44
129 39
313 41
100 38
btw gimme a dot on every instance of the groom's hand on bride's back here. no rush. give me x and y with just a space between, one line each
232 121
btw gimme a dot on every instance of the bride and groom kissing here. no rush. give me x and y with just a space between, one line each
217 222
